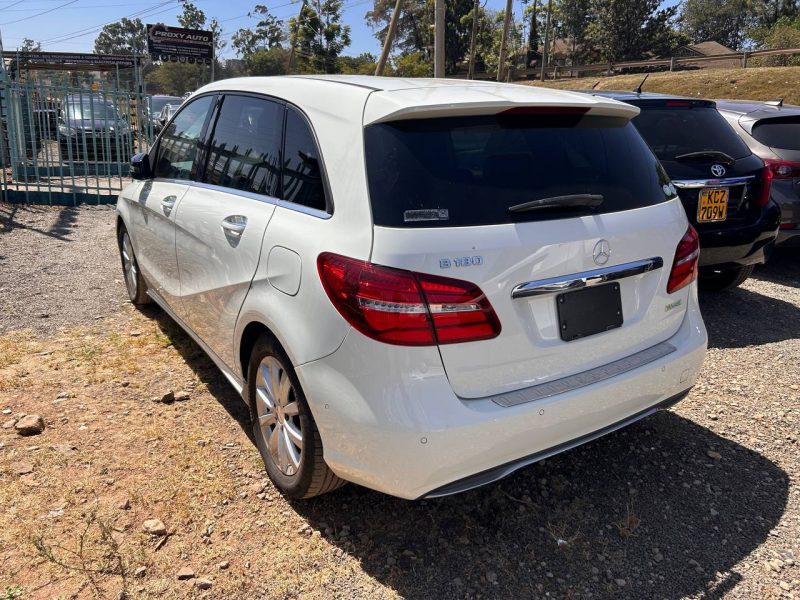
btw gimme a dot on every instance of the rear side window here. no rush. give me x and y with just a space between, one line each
462 171
302 172
245 148
180 141
673 131
783 134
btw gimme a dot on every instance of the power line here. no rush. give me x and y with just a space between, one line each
41 13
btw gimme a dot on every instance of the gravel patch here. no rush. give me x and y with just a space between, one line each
702 501
58 266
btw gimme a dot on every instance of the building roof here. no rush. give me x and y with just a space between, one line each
378 99
709 48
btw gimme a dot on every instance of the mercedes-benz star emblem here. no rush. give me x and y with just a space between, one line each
717 170
601 252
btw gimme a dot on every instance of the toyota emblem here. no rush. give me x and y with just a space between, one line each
717 170
601 252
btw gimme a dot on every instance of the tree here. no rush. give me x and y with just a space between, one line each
125 36
785 33
194 18
629 29
28 45
363 64
413 64
318 36
269 32
726 21
267 62
176 79
571 19
414 33
768 12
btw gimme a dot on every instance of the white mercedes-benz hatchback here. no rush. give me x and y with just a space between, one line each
417 285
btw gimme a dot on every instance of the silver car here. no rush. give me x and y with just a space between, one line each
772 131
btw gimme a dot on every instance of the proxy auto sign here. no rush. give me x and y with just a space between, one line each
176 44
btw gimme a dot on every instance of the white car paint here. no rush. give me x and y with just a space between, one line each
410 420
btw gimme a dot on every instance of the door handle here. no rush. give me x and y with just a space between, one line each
167 204
234 225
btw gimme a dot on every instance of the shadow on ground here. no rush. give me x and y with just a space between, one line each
60 229
783 267
647 505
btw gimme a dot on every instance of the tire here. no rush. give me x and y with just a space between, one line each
134 281
724 280
280 417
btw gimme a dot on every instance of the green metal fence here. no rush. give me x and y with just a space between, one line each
66 144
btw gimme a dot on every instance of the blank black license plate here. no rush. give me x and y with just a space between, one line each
589 311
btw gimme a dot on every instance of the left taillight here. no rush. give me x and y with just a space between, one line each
684 266
766 183
405 308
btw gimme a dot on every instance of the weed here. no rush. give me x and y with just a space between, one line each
11 592
628 525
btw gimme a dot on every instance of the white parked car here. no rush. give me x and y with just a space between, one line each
417 285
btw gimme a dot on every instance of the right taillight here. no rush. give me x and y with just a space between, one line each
766 183
684 267
406 308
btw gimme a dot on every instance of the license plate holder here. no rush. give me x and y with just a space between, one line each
712 205
589 311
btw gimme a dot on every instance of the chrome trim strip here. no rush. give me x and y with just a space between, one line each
491 475
583 379
688 184
576 281
237 383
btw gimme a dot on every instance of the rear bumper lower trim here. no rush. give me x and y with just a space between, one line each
496 473
583 379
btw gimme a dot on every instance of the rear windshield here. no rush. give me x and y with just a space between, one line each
461 171
672 131
779 133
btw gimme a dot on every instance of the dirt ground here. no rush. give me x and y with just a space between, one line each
702 501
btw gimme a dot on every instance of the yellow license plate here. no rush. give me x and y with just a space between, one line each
712 205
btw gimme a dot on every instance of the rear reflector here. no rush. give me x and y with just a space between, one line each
782 169
788 225
406 308
684 267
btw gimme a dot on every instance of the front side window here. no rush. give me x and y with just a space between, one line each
302 171
180 141
244 153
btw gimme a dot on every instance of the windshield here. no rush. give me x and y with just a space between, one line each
783 134
88 111
673 131
461 171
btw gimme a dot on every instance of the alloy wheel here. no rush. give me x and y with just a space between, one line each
278 415
129 265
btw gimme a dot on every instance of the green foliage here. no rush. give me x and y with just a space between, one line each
11 592
175 79
726 22
318 36
269 32
363 64
570 20
267 62
414 25
28 45
194 18
413 64
785 33
629 29
125 36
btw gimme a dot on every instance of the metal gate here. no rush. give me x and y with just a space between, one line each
67 143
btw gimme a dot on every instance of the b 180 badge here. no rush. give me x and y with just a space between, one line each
460 261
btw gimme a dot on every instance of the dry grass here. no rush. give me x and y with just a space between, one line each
762 83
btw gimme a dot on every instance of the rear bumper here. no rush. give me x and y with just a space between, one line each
389 419
732 246
787 195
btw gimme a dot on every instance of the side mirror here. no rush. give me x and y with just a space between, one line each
140 166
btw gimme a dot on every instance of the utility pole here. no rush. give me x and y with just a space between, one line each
290 61
438 40
506 26
473 39
387 43
546 45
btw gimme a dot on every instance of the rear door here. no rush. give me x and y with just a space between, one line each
156 205
441 190
223 217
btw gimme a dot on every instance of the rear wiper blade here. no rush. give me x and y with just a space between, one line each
719 155
559 202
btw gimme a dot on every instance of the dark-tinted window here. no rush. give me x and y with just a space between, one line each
672 131
180 141
302 172
244 153
470 170
783 134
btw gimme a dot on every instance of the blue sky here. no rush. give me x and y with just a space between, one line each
69 25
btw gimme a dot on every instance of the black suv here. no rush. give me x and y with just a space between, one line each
724 187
